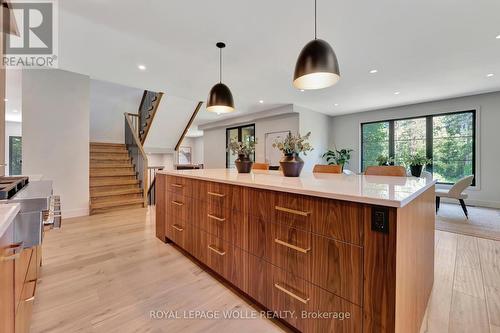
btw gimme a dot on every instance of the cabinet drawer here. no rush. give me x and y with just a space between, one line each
229 225
223 196
290 293
180 185
178 233
21 270
198 243
180 207
25 308
32 272
227 260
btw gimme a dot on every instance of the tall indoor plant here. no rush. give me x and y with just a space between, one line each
291 146
340 157
243 150
416 162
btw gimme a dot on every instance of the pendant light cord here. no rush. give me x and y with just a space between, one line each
220 65
315 21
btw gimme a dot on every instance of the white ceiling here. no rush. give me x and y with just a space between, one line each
425 49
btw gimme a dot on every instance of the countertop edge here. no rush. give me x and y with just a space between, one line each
5 221
343 197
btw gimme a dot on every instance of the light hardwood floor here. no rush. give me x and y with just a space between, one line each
105 273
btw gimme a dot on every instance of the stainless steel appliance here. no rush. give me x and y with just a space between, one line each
39 208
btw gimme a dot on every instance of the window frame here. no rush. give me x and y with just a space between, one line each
428 136
239 128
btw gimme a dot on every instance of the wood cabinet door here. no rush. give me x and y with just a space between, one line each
7 304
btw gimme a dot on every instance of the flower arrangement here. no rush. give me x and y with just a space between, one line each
242 148
294 144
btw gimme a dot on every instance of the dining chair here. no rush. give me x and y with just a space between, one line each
260 166
322 168
456 192
390 170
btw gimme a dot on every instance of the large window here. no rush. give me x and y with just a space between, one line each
449 139
243 134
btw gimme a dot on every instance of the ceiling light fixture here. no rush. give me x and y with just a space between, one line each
490 75
317 66
141 67
336 104
5 99
220 98
397 92
498 37
302 90
261 101
373 71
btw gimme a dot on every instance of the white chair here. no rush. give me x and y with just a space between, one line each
456 192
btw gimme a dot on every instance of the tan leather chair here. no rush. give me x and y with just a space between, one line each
260 166
391 170
321 168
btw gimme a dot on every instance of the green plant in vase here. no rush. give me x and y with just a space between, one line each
292 146
243 150
384 160
339 157
416 162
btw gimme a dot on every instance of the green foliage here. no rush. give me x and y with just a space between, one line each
242 148
375 142
294 144
416 159
339 157
385 160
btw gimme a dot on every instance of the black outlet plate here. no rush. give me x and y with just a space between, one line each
380 219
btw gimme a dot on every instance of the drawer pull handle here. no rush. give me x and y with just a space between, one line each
177 185
291 246
178 228
292 211
216 250
220 219
177 203
289 293
31 299
216 194
15 252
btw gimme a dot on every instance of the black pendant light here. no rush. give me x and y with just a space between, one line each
317 66
220 99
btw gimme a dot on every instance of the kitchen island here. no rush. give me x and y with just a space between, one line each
325 252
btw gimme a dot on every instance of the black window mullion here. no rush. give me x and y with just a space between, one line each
392 148
429 140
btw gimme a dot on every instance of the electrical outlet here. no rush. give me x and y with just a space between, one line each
380 219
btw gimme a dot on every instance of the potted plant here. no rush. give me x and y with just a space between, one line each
384 160
243 150
416 162
291 146
340 157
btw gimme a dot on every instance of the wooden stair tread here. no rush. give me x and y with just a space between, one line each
109 158
116 202
111 173
112 209
101 152
112 182
105 193
99 166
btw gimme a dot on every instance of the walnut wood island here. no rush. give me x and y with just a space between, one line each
358 250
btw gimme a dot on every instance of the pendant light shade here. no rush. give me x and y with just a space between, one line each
317 66
220 98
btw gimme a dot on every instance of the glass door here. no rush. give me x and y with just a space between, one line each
15 155
244 133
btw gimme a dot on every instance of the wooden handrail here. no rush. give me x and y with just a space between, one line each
138 143
188 125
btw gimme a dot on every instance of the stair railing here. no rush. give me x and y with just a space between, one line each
147 111
139 158
152 183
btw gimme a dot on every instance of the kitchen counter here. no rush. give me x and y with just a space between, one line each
376 190
7 214
319 243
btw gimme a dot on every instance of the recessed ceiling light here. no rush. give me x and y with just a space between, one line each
373 71
15 111
301 90
261 101
336 104
397 92
5 99
141 67
490 75
498 37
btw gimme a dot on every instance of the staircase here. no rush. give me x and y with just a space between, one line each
147 111
114 183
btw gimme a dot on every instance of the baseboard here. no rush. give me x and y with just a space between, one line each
471 202
69 213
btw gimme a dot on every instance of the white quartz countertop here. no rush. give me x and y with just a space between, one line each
7 214
376 190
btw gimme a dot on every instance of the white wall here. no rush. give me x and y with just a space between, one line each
319 126
159 159
108 102
56 134
346 134
198 150
11 129
214 148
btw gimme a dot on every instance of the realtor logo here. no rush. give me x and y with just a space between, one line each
36 44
